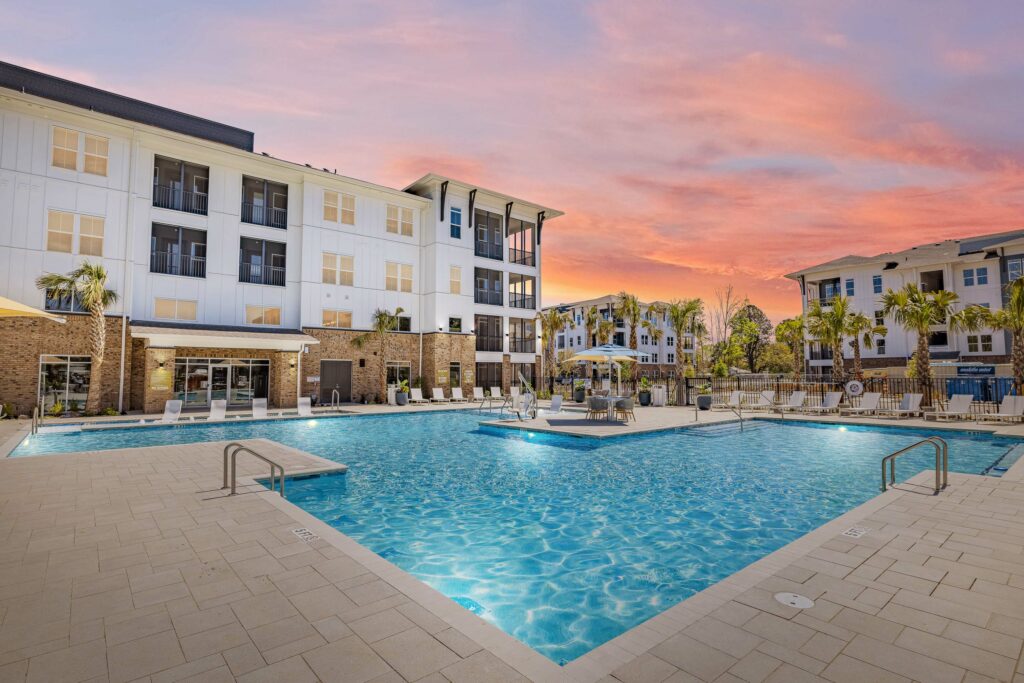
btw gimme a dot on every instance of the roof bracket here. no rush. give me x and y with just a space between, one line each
540 224
444 195
472 216
508 216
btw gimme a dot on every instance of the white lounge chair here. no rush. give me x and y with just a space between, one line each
218 410
829 404
478 394
795 401
305 407
438 396
958 408
416 396
868 405
910 405
765 401
513 391
733 403
555 409
496 392
259 409
457 396
172 411
1010 410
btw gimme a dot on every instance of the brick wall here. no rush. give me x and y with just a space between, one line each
338 345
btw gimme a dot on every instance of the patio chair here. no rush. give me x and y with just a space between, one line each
496 392
457 396
555 409
1010 410
958 408
829 404
735 398
305 407
795 402
597 408
438 396
513 391
910 405
172 411
868 405
259 409
765 401
624 408
478 394
218 410
416 396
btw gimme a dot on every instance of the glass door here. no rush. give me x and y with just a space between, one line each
220 378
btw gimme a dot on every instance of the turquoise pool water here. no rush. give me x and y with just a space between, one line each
566 542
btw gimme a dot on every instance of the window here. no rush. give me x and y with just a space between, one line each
876 284
488 375
338 269
262 315
968 277
60 231
173 309
488 234
521 291
63 379
455 280
455 374
404 323
879 317
932 281
522 336
65 149
880 347
488 286
90 235
670 341
560 343
643 339
398 277
654 358
177 251
180 186
520 242
264 202
262 262
671 357
849 287
940 338
455 223
455 324
399 220
1014 268
348 209
64 305
982 275
331 206
979 343
398 371
96 150
526 370
334 318
488 333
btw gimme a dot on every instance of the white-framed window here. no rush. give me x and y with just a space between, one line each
331 207
849 286
339 206
90 235
338 269
982 275
262 315
876 284
880 346
654 358
174 309
979 343
60 231
455 223
336 318
671 357
348 209
64 152
670 341
455 280
644 339
399 220
97 152
879 317
398 277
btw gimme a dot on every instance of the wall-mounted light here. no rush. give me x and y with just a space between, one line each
291 362
162 362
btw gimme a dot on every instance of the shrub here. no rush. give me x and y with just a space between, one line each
110 411
57 409
9 411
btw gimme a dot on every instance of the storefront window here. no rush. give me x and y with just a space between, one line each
64 379
398 371
197 381
455 374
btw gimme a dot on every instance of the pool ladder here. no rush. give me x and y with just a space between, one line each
941 462
231 452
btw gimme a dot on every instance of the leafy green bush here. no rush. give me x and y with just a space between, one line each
57 409
110 411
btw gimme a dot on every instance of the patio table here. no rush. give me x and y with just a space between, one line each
612 400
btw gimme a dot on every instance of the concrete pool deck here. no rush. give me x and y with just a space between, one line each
134 565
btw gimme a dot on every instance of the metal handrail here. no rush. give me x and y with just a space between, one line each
236 448
35 420
335 398
941 462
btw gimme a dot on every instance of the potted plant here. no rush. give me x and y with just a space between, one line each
645 391
579 391
704 397
402 395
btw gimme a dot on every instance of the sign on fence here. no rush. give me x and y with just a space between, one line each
976 371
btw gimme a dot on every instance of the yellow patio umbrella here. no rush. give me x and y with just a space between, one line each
609 353
12 309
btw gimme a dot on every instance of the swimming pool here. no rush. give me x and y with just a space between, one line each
567 542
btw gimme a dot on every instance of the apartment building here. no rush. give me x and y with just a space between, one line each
659 350
240 275
976 268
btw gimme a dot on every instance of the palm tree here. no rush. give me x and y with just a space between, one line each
682 317
699 330
628 308
862 330
383 324
591 319
916 311
827 325
791 333
1011 319
86 284
551 322
605 329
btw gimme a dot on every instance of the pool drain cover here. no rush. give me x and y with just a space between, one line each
794 600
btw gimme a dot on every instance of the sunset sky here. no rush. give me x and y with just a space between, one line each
691 145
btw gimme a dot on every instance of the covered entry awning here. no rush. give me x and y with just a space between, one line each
203 337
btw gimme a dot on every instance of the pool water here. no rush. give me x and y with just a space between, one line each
567 542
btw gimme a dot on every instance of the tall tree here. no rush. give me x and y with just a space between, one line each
1011 319
726 305
628 307
827 325
86 284
917 311
591 319
791 333
862 330
551 322
382 326
681 315
605 329
752 332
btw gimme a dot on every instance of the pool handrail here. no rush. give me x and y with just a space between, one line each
236 448
941 462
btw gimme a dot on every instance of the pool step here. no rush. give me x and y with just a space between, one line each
724 429
1004 462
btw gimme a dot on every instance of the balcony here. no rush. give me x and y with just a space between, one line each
820 354
488 250
488 343
522 346
256 274
521 256
258 214
177 199
521 301
486 296
168 263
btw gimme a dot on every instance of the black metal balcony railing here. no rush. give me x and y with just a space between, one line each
821 354
522 346
255 274
258 214
521 301
485 296
489 250
520 256
488 344
179 200
168 263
